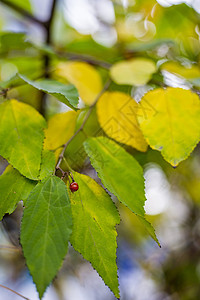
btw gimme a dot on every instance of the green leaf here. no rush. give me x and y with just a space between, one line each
155 43
14 81
120 173
10 41
90 48
149 228
48 164
171 23
21 65
66 93
25 4
170 122
45 230
21 137
13 188
94 235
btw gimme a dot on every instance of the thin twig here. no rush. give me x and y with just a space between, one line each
23 12
49 22
89 59
106 86
196 91
7 288
48 40
12 248
3 92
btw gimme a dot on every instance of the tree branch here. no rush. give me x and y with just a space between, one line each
3 92
49 22
61 156
22 12
91 60
48 41
12 248
7 288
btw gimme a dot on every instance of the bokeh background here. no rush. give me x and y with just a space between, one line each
109 31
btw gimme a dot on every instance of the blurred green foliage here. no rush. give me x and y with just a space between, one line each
143 28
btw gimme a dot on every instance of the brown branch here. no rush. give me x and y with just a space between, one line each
47 25
49 22
12 248
48 41
196 91
79 57
16 293
61 156
22 12
3 92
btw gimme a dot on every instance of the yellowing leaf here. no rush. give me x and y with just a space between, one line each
186 72
171 122
84 77
60 129
137 71
117 116
94 235
21 137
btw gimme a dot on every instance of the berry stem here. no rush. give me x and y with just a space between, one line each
71 177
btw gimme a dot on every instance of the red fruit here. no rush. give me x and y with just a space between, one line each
74 186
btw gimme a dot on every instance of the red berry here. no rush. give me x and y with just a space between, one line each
74 186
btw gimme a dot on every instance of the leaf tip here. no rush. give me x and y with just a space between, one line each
175 164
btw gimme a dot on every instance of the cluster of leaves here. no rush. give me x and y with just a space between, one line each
40 152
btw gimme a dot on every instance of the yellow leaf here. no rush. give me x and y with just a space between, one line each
117 116
170 122
21 137
59 131
188 72
85 77
137 71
